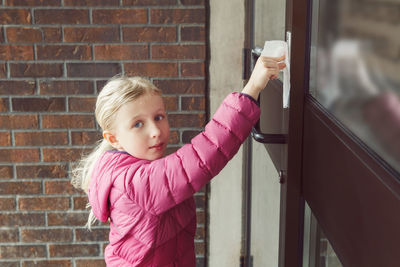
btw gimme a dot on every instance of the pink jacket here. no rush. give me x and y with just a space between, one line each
150 203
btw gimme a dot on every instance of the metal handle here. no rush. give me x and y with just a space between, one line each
256 133
266 138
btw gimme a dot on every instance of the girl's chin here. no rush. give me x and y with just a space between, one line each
152 154
157 155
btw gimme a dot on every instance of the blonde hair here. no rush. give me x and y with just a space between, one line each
118 91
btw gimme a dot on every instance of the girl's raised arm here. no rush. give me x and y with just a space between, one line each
170 180
161 184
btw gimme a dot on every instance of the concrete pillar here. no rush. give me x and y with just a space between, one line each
225 203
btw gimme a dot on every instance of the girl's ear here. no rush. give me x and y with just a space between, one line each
111 139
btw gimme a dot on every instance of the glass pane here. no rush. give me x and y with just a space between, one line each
355 67
327 256
271 26
318 252
265 191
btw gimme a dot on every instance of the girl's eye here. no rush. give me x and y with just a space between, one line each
159 117
138 124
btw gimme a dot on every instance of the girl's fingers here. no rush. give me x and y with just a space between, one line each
281 65
274 71
273 63
275 68
276 59
270 64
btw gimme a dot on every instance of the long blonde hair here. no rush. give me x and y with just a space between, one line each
118 91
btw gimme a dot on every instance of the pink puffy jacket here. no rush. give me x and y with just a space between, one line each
150 203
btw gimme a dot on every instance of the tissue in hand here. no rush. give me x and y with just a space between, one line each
278 48
274 48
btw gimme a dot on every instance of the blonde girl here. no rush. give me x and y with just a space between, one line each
146 196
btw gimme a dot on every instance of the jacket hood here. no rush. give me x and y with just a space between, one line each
105 171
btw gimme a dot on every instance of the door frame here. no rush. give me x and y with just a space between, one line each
290 161
292 202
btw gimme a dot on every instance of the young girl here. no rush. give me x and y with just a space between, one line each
148 198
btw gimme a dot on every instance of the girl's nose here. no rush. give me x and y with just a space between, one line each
155 131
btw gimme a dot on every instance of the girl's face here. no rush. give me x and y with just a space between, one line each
142 128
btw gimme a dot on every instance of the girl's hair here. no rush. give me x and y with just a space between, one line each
118 91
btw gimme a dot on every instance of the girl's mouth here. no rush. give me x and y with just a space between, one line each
158 146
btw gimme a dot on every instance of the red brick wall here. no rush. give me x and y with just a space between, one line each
54 57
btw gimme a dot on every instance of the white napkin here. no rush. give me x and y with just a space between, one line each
278 48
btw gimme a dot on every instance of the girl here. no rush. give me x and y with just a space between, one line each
148 198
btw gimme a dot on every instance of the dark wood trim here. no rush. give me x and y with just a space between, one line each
245 253
292 204
389 176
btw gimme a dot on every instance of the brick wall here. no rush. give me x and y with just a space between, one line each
55 55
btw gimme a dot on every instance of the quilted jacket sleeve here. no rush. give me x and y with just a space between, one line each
161 184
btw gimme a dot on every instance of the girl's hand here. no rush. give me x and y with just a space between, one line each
266 69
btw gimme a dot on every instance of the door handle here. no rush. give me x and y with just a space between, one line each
265 138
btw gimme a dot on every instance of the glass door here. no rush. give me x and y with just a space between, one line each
348 97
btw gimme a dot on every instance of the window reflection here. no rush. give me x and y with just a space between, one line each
355 69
